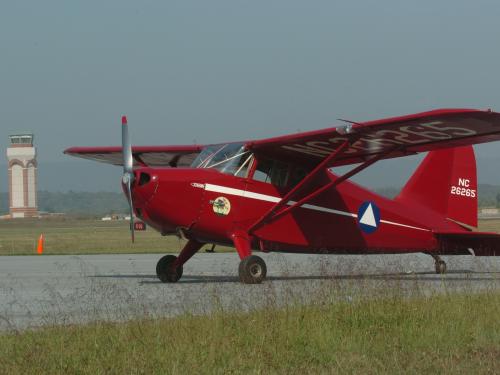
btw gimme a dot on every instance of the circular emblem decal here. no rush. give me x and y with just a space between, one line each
222 206
368 217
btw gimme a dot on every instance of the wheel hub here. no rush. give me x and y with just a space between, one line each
256 270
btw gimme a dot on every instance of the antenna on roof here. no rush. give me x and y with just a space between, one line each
349 121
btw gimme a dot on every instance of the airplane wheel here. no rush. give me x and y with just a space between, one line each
252 270
165 272
440 266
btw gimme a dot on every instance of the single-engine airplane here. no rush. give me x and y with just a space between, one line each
280 194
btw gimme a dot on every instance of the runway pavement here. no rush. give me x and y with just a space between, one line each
46 290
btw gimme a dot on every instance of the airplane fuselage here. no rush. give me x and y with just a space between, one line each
209 206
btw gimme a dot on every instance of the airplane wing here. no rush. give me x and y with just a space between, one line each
154 156
404 135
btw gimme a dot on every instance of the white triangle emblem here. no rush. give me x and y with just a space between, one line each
368 217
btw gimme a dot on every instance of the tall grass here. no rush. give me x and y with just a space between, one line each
447 334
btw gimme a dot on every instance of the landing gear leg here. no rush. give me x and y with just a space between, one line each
439 264
252 269
169 268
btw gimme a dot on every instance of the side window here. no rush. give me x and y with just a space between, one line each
297 175
271 171
279 173
263 171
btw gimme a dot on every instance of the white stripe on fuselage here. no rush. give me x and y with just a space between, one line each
270 198
241 193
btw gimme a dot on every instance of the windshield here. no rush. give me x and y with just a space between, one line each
230 158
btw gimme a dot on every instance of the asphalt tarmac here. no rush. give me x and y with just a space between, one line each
55 290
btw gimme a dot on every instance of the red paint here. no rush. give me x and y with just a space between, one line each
451 192
299 187
242 243
187 252
209 206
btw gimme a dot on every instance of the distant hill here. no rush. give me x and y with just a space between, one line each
102 203
489 195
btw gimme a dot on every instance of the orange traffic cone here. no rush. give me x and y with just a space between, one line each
39 248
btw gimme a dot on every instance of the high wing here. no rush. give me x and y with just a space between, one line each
153 156
387 138
384 139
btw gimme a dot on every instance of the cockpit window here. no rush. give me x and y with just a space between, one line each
234 159
271 171
230 158
278 173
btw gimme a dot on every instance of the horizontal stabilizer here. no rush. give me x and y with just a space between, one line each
477 243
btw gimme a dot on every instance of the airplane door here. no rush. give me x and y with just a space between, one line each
260 197
221 206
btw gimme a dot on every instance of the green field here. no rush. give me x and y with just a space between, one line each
80 236
490 225
448 334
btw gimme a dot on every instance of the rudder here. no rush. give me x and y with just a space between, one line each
446 182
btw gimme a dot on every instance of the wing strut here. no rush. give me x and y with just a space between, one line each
273 214
298 188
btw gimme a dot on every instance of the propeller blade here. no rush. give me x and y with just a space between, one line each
131 209
128 162
128 171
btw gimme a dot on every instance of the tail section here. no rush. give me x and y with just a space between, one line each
446 182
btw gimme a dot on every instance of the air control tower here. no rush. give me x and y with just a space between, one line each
22 176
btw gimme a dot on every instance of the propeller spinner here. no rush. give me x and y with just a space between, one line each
128 171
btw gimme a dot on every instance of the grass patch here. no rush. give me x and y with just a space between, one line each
90 236
81 236
489 225
448 334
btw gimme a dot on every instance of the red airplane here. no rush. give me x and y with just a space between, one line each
280 194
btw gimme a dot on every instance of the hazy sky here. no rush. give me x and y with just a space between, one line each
213 71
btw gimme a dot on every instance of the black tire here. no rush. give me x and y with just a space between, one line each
165 272
440 267
252 270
